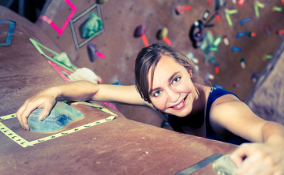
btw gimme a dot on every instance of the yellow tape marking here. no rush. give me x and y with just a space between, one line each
24 143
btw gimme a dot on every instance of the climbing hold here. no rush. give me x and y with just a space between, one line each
217 41
240 34
208 77
116 82
217 16
93 52
91 26
196 33
63 58
228 13
254 77
251 34
241 2
205 15
267 57
85 74
59 117
257 5
181 9
218 86
216 66
226 40
266 29
242 62
236 49
163 35
237 85
211 59
102 1
280 32
140 32
277 9
243 21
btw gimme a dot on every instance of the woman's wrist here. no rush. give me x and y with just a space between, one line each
57 93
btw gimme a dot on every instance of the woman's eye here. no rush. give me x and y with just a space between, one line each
176 80
157 93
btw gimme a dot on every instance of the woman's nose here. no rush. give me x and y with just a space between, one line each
173 96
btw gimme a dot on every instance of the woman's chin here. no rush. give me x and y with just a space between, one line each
180 113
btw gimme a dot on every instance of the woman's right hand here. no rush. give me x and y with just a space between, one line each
45 100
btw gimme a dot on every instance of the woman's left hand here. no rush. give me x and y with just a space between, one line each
259 159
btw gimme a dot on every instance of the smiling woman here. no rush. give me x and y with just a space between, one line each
167 82
148 58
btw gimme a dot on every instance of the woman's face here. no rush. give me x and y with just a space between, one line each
172 90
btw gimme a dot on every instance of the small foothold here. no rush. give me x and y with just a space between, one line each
237 85
236 49
92 51
266 28
251 34
254 77
181 9
217 41
280 32
226 40
216 65
243 21
218 86
205 15
102 1
241 2
139 31
208 77
162 33
116 83
240 34
242 62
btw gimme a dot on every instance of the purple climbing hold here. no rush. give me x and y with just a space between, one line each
139 31
92 51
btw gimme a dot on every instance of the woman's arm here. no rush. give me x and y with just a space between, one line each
266 155
77 91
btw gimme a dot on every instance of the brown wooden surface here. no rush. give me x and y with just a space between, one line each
120 19
120 146
23 70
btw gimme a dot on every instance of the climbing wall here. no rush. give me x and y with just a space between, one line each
250 30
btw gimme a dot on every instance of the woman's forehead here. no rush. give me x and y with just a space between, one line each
164 69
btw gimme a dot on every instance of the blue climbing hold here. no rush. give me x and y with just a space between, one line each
59 117
236 49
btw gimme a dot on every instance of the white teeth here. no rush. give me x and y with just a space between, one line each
179 105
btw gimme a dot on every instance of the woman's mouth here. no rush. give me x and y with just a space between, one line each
180 105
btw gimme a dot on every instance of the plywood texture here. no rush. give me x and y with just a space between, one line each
23 70
120 18
266 99
120 146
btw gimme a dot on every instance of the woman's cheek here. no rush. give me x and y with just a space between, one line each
159 104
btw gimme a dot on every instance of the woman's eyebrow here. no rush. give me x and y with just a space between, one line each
172 77
169 80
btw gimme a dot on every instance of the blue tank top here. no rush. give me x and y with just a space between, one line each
210 134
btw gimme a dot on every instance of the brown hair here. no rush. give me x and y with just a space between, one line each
148 58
